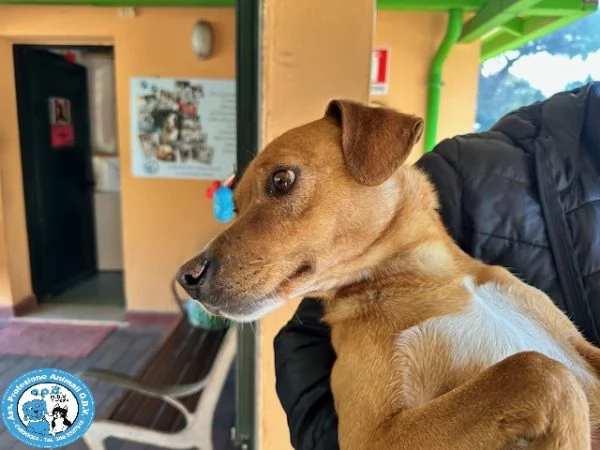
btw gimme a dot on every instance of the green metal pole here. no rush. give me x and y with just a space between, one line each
455 21
248 63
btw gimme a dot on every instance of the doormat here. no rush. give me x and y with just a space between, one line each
48 339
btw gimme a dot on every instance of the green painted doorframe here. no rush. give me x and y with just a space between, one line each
248 89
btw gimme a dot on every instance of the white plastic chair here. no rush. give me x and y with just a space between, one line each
197 432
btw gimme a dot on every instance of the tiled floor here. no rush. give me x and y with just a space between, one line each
76 312
125 350
105 288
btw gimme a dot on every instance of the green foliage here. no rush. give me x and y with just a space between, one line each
501 92
499 95
580 38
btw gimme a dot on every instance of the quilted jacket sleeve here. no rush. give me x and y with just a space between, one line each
441 167
304 356
303 361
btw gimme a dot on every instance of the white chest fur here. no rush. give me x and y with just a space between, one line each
443 352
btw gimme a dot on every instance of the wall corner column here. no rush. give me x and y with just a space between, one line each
313 51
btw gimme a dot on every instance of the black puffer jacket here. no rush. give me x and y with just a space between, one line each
525 195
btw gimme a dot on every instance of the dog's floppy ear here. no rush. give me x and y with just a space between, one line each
375 141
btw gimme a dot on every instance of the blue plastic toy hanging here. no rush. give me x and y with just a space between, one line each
222 197
223 204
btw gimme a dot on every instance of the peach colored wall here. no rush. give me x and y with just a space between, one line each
5 285
15 284
164 221
311 55
414 38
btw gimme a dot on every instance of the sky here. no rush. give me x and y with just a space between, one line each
551 74
548 73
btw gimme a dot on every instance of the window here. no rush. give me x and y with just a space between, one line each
560 61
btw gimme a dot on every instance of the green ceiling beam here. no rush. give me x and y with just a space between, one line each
544 8
429 5
533 28
125 3
493 15
514 27
549 8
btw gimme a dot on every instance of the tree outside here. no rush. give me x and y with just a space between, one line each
560 61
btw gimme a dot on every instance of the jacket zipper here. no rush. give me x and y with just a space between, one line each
561 245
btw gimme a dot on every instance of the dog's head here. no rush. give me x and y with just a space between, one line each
312 208
35 409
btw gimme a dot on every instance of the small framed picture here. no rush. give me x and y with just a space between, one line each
60 111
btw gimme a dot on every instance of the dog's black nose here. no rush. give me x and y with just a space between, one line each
194 274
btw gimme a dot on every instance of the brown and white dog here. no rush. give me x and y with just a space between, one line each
435 350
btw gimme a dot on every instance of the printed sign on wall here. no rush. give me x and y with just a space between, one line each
183 128
380 70
61 128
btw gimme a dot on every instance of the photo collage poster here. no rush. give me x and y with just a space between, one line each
183 128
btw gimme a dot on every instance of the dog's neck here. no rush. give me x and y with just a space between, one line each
393 287
415 254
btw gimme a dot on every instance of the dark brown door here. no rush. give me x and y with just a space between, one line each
57 169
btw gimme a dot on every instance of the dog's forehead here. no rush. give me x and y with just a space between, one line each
305 140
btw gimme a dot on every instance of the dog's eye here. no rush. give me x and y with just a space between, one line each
282 181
